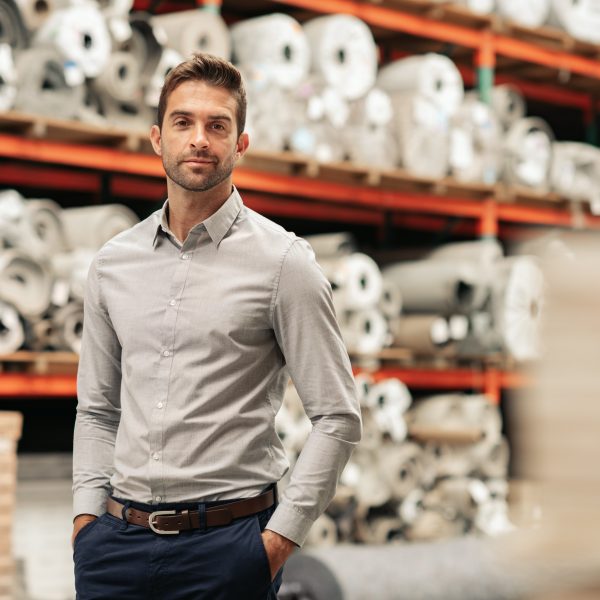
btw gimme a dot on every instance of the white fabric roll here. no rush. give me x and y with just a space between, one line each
331 245
92 226
388 400
439 286
8 78
321 141
375 109
390 303
121 78
67 327
42 86
400 467
24 283
168 60
71 269
431 76
481 7
144 46
355 280
323 532
35 12
528 153
363 382
422 129
364 332
580 19
12 28
80 32
370 145
575 171
518 303
12 335
475 143
44 217
508 104
458 327
191 31
272 49
531 13
484 252
423 334
343 53
459 497
380 530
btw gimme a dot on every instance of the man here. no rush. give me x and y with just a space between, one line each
193 320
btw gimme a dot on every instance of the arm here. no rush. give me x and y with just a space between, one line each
98 407
308 335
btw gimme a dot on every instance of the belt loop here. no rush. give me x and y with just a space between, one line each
202 516
124 510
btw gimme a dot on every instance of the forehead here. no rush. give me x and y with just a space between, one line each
198 96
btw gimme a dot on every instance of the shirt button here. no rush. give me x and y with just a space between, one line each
160 405
166 353
172 302
158 498
155 456
185 256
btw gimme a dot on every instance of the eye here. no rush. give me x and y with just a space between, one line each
180 123
218 126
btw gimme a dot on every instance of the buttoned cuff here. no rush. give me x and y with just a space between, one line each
91 502
290 523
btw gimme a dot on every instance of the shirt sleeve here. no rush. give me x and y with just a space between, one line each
98 402
308 334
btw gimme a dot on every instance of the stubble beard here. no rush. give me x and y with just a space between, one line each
174 168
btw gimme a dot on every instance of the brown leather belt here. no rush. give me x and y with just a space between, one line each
172 522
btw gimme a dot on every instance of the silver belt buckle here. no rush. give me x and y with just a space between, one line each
156 513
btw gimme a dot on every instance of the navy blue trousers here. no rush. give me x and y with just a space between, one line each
115 560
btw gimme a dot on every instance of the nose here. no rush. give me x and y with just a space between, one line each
199 138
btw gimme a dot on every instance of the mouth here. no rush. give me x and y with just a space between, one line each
199 161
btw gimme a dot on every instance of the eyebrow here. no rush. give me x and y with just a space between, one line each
186 113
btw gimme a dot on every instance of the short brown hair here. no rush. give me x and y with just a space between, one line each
213 71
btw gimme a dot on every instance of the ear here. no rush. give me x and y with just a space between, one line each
242 145
155 139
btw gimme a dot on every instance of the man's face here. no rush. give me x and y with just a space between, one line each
198 140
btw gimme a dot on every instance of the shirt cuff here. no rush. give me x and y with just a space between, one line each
290 523
91 502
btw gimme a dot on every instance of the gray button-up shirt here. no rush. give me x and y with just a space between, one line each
186 353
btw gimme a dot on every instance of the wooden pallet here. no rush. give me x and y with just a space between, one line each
40 363
445 435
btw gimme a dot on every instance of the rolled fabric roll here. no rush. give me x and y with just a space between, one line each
71 268
372 435
580 19
92 226
168 60
433 77
375 109
432 525
364 382
374 146
484 252
400 467
481 7
494 462
121 78
355 280
424 334
364 331
319 140
12 335
459 497
35 12
439 286
517 305
24 283
134 116
46 224
12 28
390 303
364 476
343 53
475 143
81 34
528 154
8 78
532 13
323 532
144 45
196 30
272 48
331 245
381 530
458 327
446 460
508 104
388 400
575 171
42 86
67 327
422 129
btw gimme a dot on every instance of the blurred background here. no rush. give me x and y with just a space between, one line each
442 160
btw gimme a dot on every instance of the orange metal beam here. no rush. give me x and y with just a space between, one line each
14 385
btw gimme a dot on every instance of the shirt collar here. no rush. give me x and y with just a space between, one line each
217 225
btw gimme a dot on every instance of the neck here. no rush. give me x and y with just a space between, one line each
187 209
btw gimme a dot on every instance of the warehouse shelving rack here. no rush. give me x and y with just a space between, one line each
558 70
